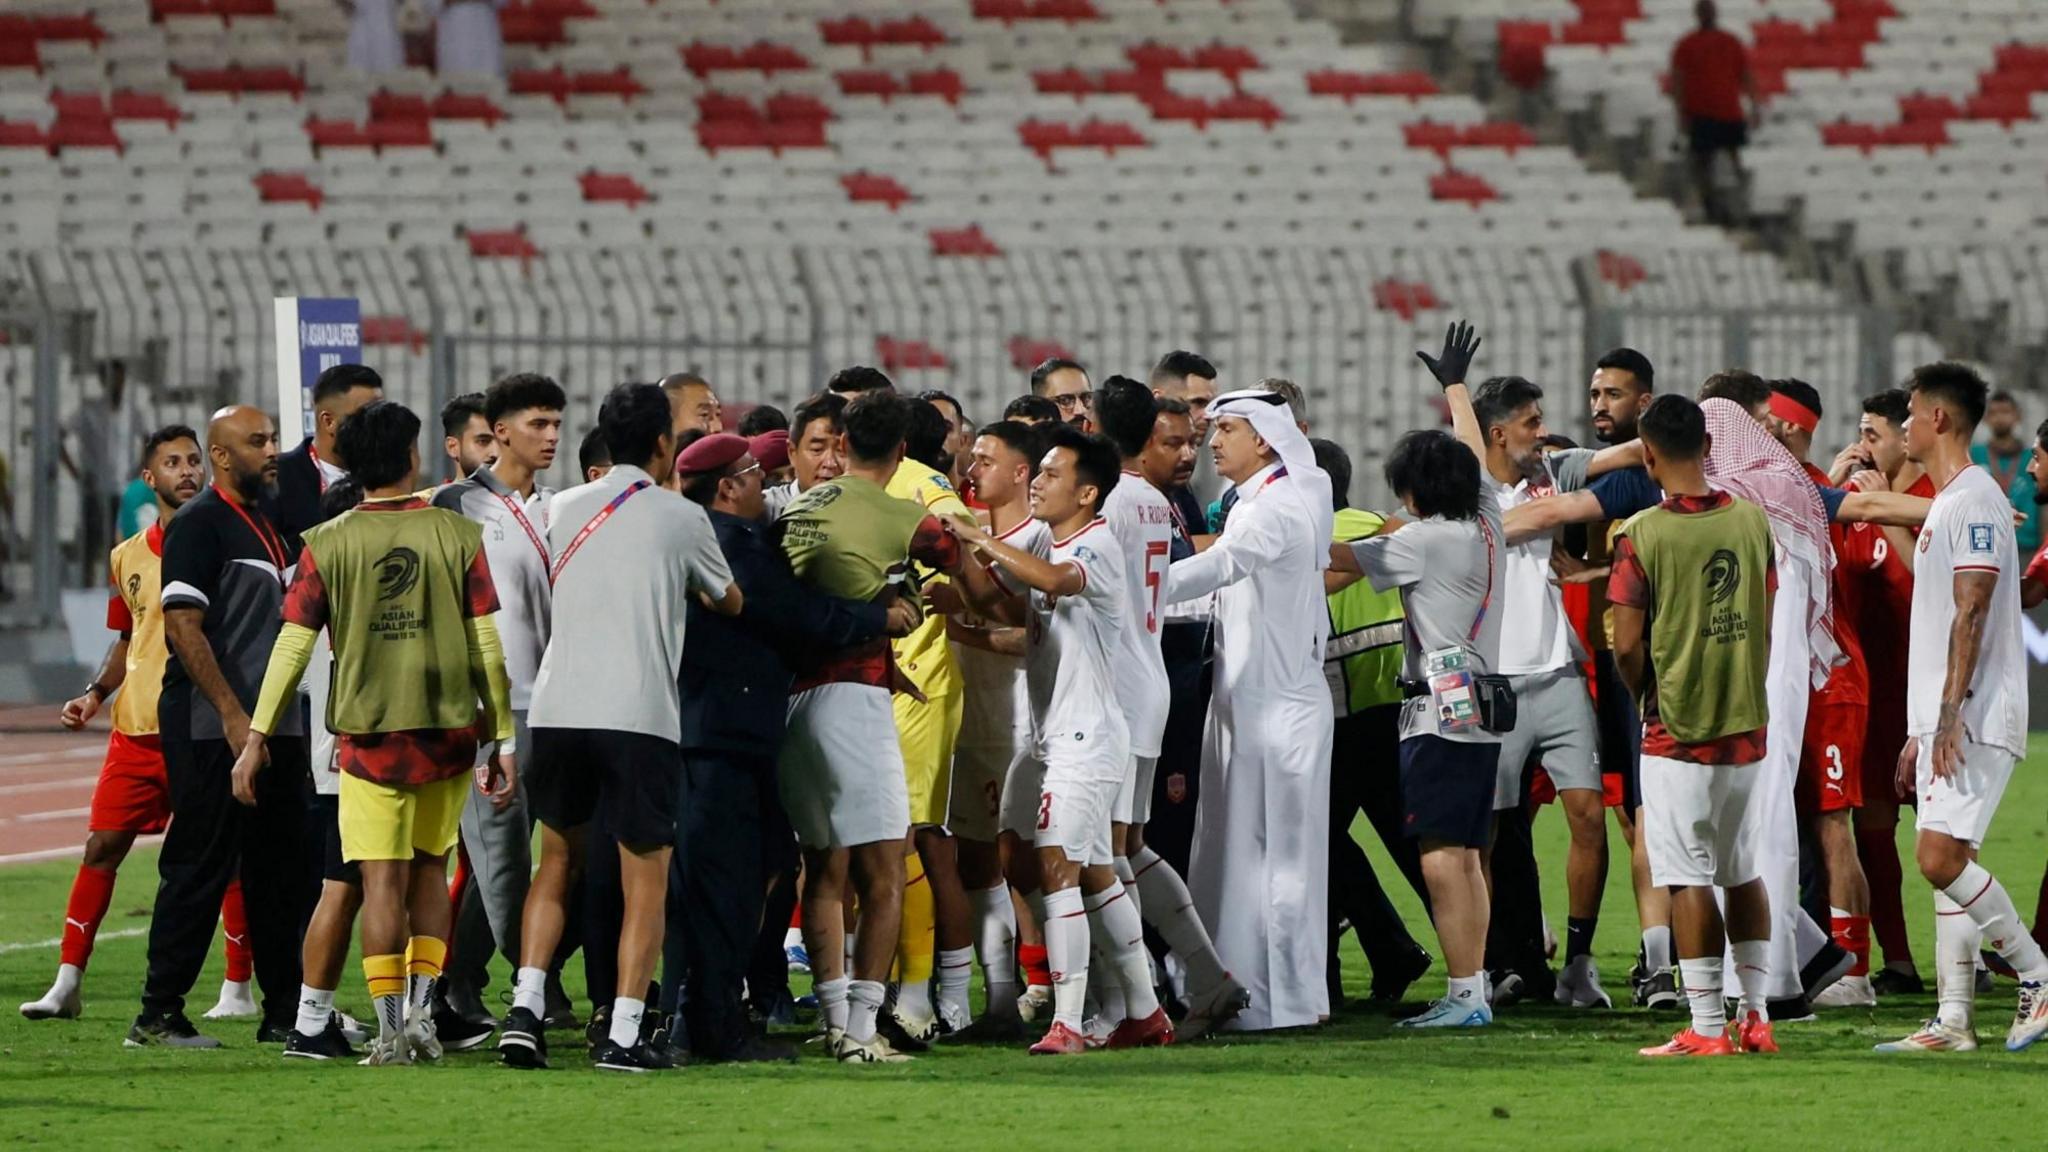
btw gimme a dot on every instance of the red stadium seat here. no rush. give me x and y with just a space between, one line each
2006 107
69 28
1172 106
1227 59
714 135
1404 298
159 9
614 188
1921 106
20 134
1451 184
1151 57
462 106
18 52
866 187
1140 82
617 82
1604 31
1007 11
794 106
784 134
769 58
399 106
1026 353
1071 11
511 243
1505 134
915 30
287 187
1928 134
968 241
704 59
1109 135
524 26
908 355
399 134
127 105
80 106
1065 82
379 331
337 134
848 31
1621 270
718 106
1351 85
68 134
1438 138
239 8
1043 136
869 82
1245 106
1843 134
538 82
941 82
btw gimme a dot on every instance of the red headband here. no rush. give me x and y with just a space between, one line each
1793 412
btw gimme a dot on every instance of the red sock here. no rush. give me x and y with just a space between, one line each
460 878
796 915
1878 848
1031 957
1852 935
2041 913
91 892
234 924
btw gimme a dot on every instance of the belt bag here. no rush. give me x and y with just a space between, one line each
1496 697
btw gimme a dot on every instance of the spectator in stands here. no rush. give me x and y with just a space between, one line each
1710 76
1065 383
374 43
2006 456
467 37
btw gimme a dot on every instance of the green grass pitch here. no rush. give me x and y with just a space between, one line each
1542 1077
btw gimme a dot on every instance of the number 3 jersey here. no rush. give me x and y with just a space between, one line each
1074 642
1141 521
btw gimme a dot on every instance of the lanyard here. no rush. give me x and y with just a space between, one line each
539 545
319 474
273 548
1277 474
1486 601
596 522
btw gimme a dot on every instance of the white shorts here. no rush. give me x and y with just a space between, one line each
1134 798
1074 809
842 768
1962 806
1699 824
974 808
1554 726
1023 788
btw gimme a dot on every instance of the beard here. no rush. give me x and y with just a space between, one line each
1615 434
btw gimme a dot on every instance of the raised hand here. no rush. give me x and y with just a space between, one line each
1461 343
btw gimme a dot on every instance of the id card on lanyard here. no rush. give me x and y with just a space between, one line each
596 522
1448 671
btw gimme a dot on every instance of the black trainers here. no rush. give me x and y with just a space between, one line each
166 1030
1892 982
559 1013
755 1050
641 1057
1789 1009
271 1032
330 1044
458 1033
523 1042
1391 986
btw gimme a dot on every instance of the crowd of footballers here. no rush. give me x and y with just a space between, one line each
1088 697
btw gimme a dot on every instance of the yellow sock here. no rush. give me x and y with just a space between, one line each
914 936
425 956
385 974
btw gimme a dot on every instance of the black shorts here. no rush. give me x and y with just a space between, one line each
1711 136
1621 731
325 812
634 779
1447 790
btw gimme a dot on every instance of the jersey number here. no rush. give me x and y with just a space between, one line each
1155 580
1044 811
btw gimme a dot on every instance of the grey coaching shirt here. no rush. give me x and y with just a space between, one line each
619 605
519 567
1447 570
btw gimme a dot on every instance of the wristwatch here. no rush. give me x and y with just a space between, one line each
98 691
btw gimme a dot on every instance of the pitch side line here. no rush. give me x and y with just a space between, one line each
55 941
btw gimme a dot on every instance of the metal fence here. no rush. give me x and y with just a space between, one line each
769 324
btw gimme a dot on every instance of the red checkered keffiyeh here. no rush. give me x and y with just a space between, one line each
1747 461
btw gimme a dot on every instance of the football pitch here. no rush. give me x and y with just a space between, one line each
1541 1077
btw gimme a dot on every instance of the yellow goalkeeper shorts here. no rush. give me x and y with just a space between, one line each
927 732
398 821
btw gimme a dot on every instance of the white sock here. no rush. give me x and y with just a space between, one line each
1129 879
1808 938
995 943
530 990
420 995
1466 991
1119 934
1989 906
390 1017
1702 979
1753 974
863 1003
1657 948
794 938
1955 963
1066 951
956 973
315 1008
914 998
626 1014
852 938
69 976
831 996
1170 910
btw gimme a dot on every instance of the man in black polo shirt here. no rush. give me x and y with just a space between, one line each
303 473
732 834
224 572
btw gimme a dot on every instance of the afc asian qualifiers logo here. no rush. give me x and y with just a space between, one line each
397 571
1724 575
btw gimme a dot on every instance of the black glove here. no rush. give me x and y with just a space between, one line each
1460 344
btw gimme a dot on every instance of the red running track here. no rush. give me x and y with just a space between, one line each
46 781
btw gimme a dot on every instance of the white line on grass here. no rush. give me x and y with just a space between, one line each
66 853
37 945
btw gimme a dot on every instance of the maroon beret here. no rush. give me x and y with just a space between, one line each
770 449
713 453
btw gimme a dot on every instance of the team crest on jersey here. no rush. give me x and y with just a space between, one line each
397 571
1980 537
134 585
1923 541
1724 575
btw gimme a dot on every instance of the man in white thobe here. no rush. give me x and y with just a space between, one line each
1260 868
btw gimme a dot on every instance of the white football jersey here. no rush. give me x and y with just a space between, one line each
1534 633
1142 522
1073 643
1969 529
995 704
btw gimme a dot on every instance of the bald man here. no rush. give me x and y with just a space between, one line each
224 571
693 403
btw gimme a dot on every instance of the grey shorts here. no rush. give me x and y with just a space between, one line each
1554 726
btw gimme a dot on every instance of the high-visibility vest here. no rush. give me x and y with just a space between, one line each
1362 662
